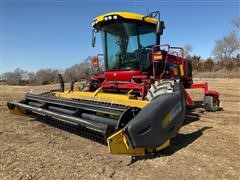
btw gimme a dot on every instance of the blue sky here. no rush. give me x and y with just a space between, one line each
39 34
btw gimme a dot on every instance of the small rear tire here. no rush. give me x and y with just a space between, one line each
211 103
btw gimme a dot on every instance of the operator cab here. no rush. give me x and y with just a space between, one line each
127 41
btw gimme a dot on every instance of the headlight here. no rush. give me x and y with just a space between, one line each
109 17
105 18
115 17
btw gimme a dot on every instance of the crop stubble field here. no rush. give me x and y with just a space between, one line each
207 146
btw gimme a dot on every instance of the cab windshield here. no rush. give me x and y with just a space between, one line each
124 42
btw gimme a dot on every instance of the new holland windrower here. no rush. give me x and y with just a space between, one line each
139 102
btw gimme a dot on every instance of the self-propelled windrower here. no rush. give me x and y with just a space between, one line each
139 102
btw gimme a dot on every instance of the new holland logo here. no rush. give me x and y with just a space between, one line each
172 114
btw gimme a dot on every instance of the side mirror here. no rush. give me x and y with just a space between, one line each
160 27
93 41
93 38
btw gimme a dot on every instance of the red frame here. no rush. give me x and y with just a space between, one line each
125 79
206 92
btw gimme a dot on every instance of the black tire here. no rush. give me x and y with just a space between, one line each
210 104
159 88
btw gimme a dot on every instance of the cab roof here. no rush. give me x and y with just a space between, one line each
98 21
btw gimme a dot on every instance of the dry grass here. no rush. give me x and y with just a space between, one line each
207 146
223 73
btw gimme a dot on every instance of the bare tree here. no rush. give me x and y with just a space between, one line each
236 23
209 64
3 77
46 76
74 73
32 78
17 77
187 49
236 61
79 71
227 47
195 60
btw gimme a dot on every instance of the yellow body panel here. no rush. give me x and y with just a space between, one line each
117 144
98 96
181 70
126 15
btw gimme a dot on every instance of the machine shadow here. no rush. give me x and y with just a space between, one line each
177 143
182 140
190 117
191 114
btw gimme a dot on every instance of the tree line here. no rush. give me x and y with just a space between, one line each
226 52
226 55
48 76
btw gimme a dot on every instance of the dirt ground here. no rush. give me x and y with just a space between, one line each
207 146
